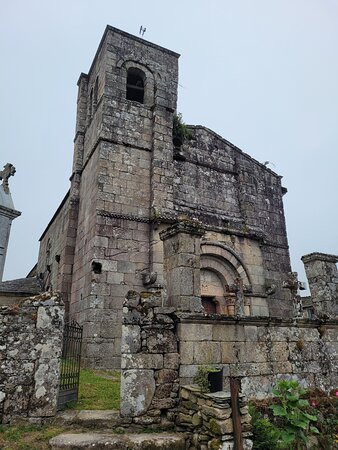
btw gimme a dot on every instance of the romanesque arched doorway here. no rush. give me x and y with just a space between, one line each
224 279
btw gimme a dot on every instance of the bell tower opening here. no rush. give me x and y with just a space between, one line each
135 85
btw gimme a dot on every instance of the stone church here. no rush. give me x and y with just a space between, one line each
131 180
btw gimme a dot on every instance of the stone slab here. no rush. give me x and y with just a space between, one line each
110 441
91 418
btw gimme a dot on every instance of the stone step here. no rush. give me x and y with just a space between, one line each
110 441
98 419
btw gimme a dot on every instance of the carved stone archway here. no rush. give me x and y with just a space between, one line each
224 279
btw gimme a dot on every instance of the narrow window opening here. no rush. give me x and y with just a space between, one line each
96 87
57 258
90 110
135 85
96 267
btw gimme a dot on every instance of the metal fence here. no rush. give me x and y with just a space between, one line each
70 364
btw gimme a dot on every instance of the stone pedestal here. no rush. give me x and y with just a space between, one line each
182 274
7 215
208 419
322 275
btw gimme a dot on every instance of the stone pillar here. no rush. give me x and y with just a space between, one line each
322 275
149 360
182 269
7 213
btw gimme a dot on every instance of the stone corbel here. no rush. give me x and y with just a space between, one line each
149 278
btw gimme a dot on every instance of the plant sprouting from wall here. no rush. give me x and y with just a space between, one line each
181 131
202 377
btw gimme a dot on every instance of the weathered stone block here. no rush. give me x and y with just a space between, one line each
137 391
166 376
229 351
195 332
220 427
171 361
228 332
188 371
142 361
217 413
207 352
162 341
131 339
187 352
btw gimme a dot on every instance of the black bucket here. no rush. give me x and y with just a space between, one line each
216 380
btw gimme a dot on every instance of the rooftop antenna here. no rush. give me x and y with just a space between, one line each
142 31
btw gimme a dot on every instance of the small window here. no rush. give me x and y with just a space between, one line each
209 305
135 85
96 267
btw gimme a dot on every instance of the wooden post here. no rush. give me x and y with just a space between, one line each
236 415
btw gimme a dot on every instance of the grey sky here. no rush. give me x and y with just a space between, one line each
262 73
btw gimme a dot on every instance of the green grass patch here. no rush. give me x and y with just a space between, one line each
98 389
28 437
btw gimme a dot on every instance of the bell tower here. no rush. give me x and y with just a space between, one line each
123 176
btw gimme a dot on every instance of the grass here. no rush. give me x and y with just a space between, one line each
99 389
27 437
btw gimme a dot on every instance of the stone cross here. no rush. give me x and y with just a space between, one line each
8 171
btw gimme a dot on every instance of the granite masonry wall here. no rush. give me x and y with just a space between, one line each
242 200
260 351
163 347
150 360
31 335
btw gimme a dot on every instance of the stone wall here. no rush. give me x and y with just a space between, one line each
235 195
260 351
208 417
322 274
149 360
31 344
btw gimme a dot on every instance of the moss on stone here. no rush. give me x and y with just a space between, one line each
214 427
214 444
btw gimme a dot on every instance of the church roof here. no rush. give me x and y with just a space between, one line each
29 286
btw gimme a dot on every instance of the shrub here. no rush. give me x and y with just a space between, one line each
265 434
292 410
288 420
180 130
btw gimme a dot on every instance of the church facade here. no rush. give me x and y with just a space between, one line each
131 180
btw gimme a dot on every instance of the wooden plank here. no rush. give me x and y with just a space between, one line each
236 414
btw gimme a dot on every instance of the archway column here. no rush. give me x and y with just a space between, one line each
182 265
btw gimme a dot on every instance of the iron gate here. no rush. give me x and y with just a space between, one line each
70 364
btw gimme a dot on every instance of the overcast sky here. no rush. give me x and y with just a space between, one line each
261 73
